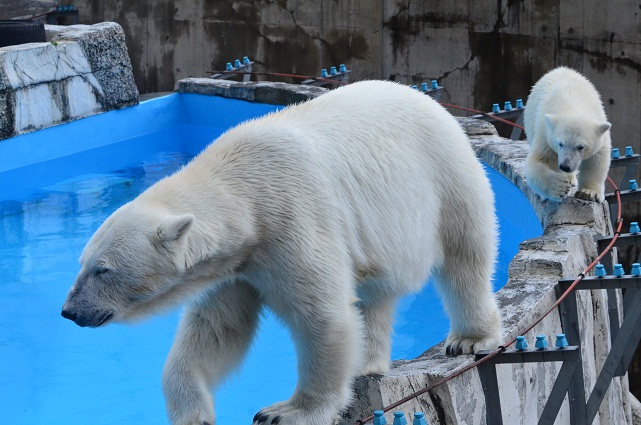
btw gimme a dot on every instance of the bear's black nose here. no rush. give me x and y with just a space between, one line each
69 315
564 168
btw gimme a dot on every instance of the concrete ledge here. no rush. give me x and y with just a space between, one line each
260 92
80 71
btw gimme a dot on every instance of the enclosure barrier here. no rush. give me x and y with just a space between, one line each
333 77
244 68
399 418
624 338
433 89
512 114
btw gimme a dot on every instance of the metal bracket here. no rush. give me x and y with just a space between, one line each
571 368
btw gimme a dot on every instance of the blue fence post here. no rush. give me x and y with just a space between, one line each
419 419
541 342
379 417
399 418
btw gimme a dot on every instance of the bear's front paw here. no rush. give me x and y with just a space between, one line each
195 420
285 413
562 186
589 195
455 345
265 418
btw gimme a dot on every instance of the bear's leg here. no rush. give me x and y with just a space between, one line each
328 343
464 277
592 174
378 320
475 323
545 179
213 336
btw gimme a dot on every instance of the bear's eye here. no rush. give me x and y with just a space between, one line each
580 148
560 144
101 270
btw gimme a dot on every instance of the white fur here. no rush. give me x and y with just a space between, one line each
568 132
326 212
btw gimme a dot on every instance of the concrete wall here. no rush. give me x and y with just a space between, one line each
80 71
482 51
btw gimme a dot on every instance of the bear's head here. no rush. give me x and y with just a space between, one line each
136 257
574 139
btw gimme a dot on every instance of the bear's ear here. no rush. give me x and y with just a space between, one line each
551 120
603 127
174 229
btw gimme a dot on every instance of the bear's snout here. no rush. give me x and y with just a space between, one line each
83 314
93 319
565 168
68 315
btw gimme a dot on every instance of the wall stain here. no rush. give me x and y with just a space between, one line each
601 61
505 61
244 11
398 26
438 407
342 44
8 115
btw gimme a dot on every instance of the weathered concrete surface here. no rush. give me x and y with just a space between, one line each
81 70
260 92
481 51
18 8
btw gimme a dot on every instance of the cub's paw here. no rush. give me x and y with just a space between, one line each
562 186
589 195
455 345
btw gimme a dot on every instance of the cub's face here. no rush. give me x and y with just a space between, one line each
574 139
131 259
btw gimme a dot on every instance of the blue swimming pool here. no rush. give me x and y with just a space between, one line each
57 186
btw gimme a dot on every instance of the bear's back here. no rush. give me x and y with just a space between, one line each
372 161
372 123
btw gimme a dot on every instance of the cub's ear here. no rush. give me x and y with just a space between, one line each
603 127
174 229
551 120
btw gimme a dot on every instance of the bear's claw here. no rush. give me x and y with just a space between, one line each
455 346
453 351
589 195
261 417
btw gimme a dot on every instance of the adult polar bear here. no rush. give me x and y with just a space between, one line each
326 212
567 131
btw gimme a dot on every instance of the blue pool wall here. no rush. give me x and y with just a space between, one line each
151 116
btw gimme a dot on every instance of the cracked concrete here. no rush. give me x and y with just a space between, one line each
80 71
481 52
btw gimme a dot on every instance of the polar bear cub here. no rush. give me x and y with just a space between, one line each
325 212
568 134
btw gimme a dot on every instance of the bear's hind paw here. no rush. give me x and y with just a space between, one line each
589 195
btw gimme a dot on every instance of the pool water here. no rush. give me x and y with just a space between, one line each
57 186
